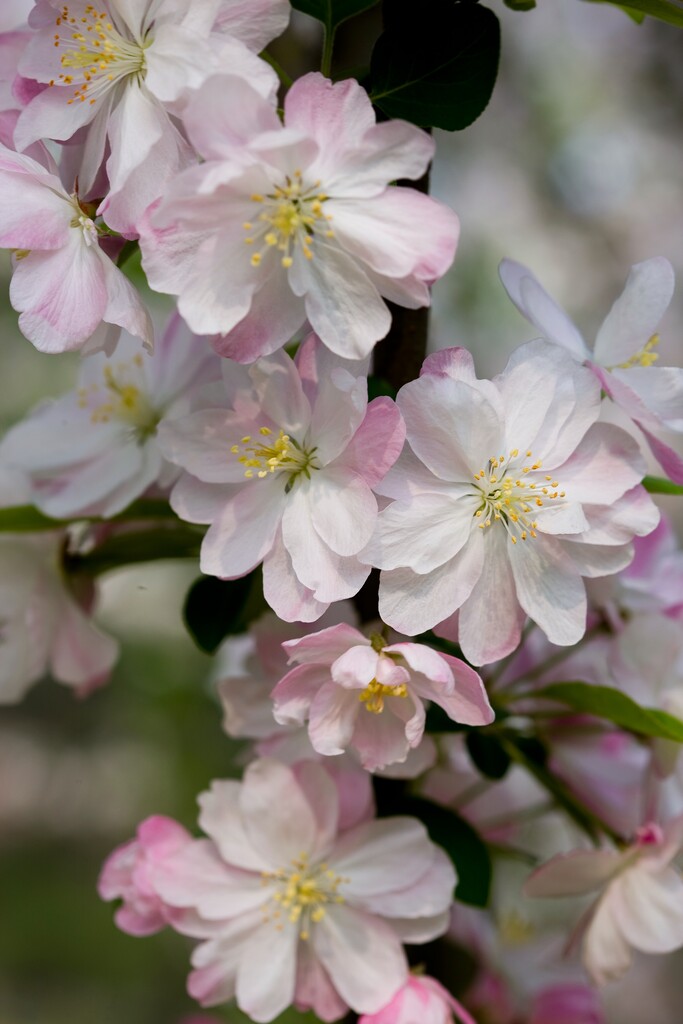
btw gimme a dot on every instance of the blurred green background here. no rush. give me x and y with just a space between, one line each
575 169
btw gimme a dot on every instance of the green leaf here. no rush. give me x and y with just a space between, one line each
333 12
148 545
660 485
463 845
488 754
439 68
26 518
520 5
215 609
615 706
670 11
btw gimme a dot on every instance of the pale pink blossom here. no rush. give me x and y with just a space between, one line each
44 629
421 999
68 292
283 224
508 495
284 472
120 72
368 694
297 911
640 902
625 349
126 875
567 1004
95 450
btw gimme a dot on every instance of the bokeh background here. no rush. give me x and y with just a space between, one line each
575 169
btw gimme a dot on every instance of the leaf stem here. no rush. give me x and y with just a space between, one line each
660 485
284 77
328 47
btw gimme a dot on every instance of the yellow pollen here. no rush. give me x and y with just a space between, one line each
283 453
302 893
289 218
508 498
645 356
120 397
374 693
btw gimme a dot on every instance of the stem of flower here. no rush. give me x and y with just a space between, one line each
328 46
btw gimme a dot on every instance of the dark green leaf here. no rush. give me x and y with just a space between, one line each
26 518
462 844
439 68
148 545
660 485
670 11
615 706
215 609
488 754
378 387
333 12
520 5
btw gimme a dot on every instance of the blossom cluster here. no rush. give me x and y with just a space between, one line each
515 544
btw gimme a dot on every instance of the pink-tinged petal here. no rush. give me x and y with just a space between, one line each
567 1004
343 305
255 22
137 122
332 719
295 692
411 291
573 874
356 795
649 394
456 363
244 531
275 314
670 461
397 232
605 464
362 955
343 510
286 595
336 115
278 388
216 962
381 740
377 443
197 877
427 661
469 702
325 646
549 589
314 989
50 116
412 930
356 667
596 560
383 856
491 619
340 405
451 426
633 514
33 214
428 897
422 534
224 114
60 295
605 954
389 151
648 909
634 317
124 306
412 604
221 819
561 519
81 655
540 309
319 787
277 818
198 502
200 442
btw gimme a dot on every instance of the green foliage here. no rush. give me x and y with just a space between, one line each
27 519
670 11
520 5
437 69
660 485
215 609
333 12
615 706
463 845
488 754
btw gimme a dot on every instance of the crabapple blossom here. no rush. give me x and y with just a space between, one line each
283 224
367 694
625 349
298 911
508 495
421 999
95 450
120 72
44 627
640 905
125 875
284 472
67 290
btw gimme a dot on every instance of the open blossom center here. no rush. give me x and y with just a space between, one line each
645 356
120 397
289 217
301 894
268 454
511 496
374 694
94 54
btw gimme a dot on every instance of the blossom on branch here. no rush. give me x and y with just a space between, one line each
283 224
